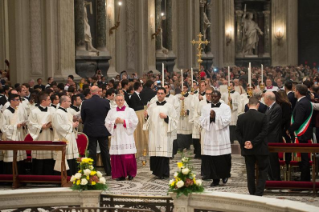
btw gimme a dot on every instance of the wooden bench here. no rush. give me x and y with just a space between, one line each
302 148
34 145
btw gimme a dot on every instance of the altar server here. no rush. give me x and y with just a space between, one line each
216 151
40 129
13 127
121 123
63 128
161 123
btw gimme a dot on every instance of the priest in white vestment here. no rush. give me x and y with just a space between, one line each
63 129
161 123
13 127
185 128
232 99
40 129
121 123
216 148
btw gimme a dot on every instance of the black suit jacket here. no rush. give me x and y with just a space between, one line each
127 97
146 95
3 100
136 103
292 99
274 116
252 126
262 108
286 116
93 113
300 114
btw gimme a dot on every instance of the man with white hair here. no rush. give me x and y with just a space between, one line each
274 115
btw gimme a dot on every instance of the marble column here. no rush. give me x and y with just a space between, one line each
101 26
79 25
208 31
239 33
158 25
266 34
169 28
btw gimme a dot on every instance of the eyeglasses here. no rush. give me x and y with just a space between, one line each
15 100
161 93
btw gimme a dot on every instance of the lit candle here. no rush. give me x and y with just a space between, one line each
192 76
228 76
262 73
163 76
249 75
182 78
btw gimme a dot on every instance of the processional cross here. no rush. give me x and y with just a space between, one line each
199 48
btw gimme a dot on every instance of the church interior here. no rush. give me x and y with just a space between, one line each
43 39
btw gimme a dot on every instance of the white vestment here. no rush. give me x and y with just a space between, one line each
235 103
37 118
161 133
196 110
216 139
62 123
9 121
122 138
184 126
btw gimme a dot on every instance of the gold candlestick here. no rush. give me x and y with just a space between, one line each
250 91
229 102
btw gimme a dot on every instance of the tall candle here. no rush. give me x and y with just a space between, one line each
192 76
249 75
182 78
262 73
163 76
228 76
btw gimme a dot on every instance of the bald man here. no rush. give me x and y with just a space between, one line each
274 115
93 113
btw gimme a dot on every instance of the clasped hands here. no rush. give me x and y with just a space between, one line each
119 121
21 125
212 114
248 145
46 126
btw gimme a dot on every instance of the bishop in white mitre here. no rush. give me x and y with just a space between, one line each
121 123
161 123
216 148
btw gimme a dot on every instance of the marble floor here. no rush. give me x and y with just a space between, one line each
146 184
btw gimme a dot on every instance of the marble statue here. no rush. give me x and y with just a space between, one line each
87 29
250 34
206 24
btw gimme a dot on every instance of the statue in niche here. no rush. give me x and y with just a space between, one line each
206 24
163 49
250 34
87 29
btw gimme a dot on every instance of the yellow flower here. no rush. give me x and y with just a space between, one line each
93 173
80 171
74 182
93 183
88 177
194 180
179 164
78 182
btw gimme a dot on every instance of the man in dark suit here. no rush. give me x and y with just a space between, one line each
290 93
4 98
274 115
136 101
262 107
147 93
93 113
301 116
251 129
124 84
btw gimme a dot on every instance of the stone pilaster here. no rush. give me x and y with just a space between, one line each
266 34
3 31
229 50
169 21
131 43
79 25
36 38
101 26
239 33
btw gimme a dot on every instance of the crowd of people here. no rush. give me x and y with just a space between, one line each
142 113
